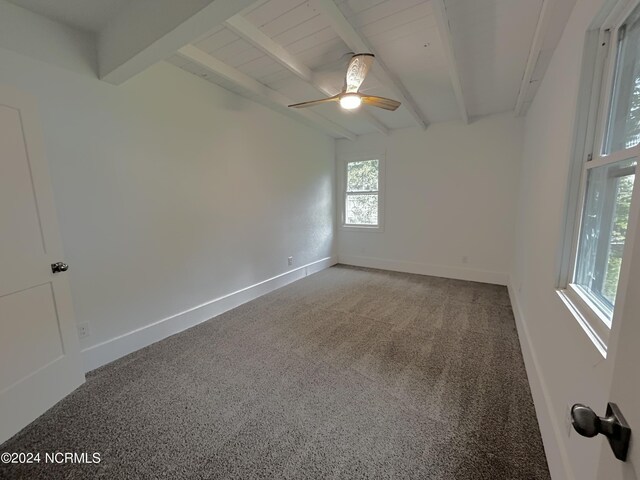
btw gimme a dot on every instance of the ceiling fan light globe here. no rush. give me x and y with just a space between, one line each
350 102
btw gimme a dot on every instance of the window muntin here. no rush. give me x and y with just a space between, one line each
362 193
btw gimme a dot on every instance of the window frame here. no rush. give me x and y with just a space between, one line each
592 123
344 162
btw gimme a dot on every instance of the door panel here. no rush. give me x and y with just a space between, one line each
33 336
22 250
16 188
39 354
624 348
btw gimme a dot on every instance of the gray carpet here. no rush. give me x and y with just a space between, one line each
349 373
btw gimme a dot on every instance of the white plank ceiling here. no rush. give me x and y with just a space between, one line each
444 59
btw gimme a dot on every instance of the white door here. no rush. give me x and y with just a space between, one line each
625 389
39 353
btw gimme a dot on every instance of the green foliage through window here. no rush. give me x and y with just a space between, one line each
624 189
362 196
362 176
604 230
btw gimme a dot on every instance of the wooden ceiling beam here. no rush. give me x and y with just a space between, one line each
260 92
534 53
140 37
358 44
252 34
444 29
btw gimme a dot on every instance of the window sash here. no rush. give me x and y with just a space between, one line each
595 314
364 225
347 174
348 193
596 310
612 33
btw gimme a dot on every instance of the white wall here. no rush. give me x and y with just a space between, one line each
38 37
563 365
172 192
451 192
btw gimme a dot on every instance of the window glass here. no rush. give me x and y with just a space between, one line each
603 232
361 201
362 176
362 209
623 130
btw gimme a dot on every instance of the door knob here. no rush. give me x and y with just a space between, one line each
59 267
613 426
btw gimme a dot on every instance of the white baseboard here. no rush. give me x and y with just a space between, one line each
484 276
110 350
550 429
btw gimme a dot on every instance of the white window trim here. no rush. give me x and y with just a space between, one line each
342 191
594 100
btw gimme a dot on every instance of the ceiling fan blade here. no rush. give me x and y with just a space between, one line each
311 103
357 71
380 102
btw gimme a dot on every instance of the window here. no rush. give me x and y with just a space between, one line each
608 165
362 201
603 232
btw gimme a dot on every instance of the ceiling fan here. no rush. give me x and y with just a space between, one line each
350 98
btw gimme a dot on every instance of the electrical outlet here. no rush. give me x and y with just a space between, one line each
290 261
83 330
